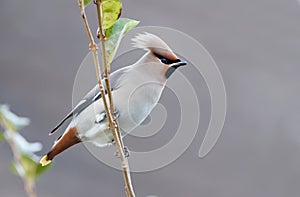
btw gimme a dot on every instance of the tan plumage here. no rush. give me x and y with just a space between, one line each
150 72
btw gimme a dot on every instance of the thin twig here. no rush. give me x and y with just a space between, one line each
115 129
93 48
112 123
106 67
29 186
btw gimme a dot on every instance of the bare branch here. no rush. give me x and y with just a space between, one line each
29 186
115 129
94 49
113 124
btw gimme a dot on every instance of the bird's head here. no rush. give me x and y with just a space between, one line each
159 53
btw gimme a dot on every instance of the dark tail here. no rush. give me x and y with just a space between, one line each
69 139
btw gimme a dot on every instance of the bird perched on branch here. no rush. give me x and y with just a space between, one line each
136 90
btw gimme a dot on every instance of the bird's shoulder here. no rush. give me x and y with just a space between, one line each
94 94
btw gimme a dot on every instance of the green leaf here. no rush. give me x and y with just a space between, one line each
114 36
10 120
16 169
13 168
41 169
86 2
28 168
111 12
32 168
1 136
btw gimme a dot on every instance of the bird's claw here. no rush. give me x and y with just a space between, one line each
100 117
116 114
126 152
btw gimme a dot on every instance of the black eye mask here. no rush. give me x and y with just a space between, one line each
165 60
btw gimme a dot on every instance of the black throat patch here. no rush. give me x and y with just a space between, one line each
169 71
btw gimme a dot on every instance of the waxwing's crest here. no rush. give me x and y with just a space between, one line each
150 42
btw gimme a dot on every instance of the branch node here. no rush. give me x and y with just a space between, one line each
113 124
93 47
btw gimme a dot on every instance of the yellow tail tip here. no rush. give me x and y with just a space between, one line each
44 161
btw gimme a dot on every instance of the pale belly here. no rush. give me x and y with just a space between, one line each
133 110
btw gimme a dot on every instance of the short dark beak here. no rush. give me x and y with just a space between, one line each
178 64
174 66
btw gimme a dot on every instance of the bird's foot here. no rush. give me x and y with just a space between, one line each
100 117
125 150
116 114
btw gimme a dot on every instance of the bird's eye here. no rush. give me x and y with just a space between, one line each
164 60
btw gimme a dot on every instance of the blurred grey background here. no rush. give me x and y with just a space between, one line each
256 45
